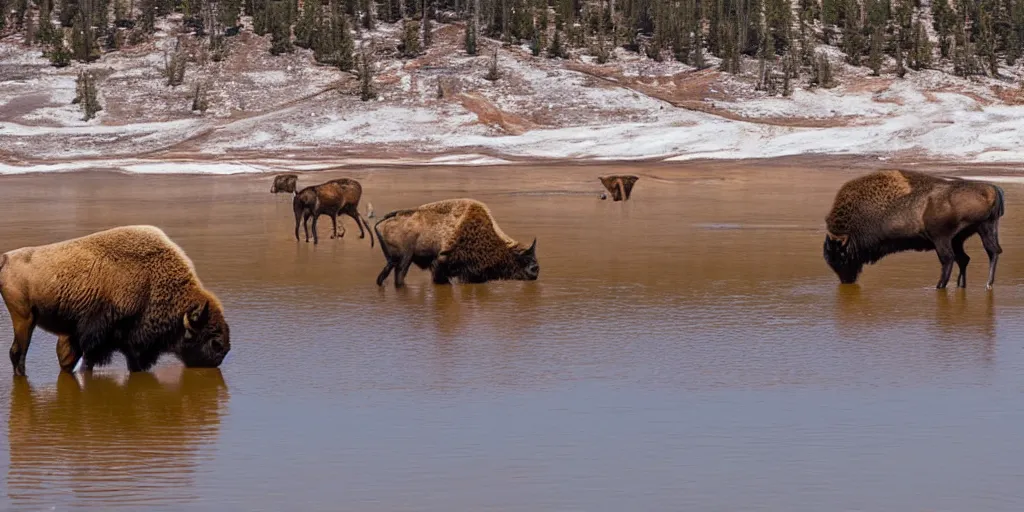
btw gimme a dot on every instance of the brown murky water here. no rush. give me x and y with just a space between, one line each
687 350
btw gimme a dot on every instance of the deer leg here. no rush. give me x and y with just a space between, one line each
334 226
989 232
944 249
962 259
68 353
23 327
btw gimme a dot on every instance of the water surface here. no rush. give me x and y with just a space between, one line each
686 350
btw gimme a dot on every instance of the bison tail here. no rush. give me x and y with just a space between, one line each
1000 201
369 231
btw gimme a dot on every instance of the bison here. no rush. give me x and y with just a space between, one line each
340 196
891 211
456 238
284 183
128 289
620 187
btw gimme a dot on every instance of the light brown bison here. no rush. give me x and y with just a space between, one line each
128 289
620 187
333 198
892 211
455 238
284 183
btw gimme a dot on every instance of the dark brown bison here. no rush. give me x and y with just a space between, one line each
620 187
456 238
336 197
892 211
128 289
284 183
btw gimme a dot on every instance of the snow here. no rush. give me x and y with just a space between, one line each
288 106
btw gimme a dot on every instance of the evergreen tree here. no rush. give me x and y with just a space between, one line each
410 46
280 26
86 95
305 29
875 57
556 49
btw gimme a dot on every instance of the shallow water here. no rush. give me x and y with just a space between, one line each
686 350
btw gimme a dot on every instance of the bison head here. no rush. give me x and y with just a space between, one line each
206 340
527 268
842 258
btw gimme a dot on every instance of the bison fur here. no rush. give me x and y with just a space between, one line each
129 289
620 187
284 183
454 239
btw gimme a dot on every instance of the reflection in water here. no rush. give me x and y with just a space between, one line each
98 441
957 326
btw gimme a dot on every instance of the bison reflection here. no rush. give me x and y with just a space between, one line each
620 187
104 441
891 211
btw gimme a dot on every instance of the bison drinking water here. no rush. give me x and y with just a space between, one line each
128 289
620 187
456 238
892 211
284 183
340 196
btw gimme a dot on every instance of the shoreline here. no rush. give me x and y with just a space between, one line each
305 163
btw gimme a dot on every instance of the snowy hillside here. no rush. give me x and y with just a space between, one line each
439 107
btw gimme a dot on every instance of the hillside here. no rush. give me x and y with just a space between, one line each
441 107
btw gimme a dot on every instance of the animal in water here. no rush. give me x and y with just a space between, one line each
128 289
891 211
620 186
333 198
284 183
454 239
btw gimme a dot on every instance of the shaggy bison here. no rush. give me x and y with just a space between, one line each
892 211
340 196
284 183
620 187
456 238
128 289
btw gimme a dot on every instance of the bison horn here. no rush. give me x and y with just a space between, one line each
533 246
197 316
842 239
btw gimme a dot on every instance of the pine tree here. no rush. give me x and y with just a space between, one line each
428 27
86 95
367 91
57 52
470 41
410 46
492 71
875 57
922 50
305 29
556 49
229 10
901 70
280 28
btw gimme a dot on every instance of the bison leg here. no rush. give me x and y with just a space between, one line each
384 273
316 219
23 327
354 213
305 226
962 259
439 274
944 248
401 270
989 232
68 353
334 226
